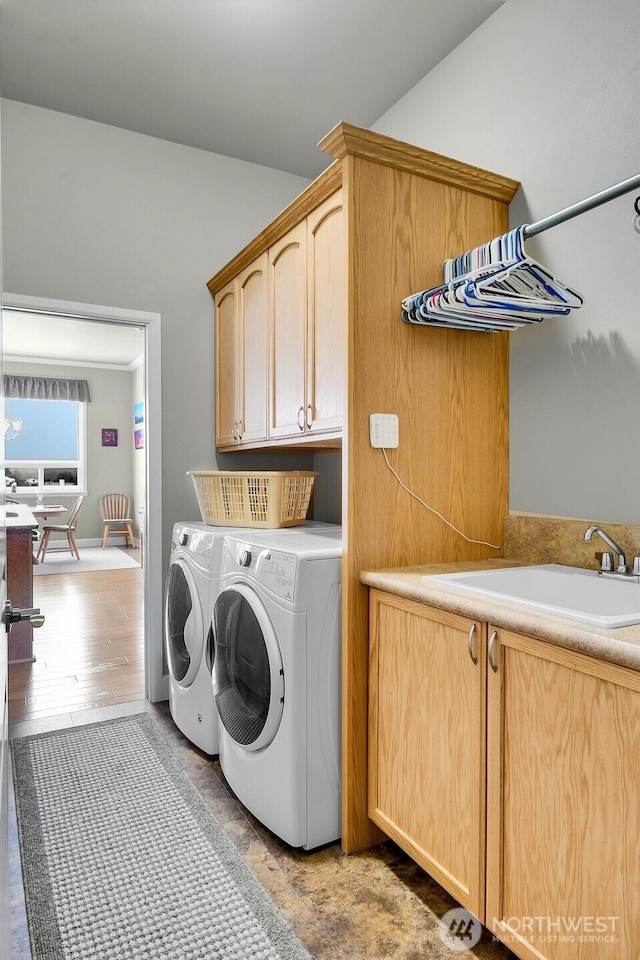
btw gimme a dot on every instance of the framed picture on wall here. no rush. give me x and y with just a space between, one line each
109 437
138 412
138 439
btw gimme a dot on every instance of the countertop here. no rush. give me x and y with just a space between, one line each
620 646
23 520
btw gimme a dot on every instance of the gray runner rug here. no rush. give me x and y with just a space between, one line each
123 860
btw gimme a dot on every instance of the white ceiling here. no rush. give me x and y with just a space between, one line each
34 336
257 80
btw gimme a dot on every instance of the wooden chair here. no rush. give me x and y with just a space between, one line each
115 508
68 528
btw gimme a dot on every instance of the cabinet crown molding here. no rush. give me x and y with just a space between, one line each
348 140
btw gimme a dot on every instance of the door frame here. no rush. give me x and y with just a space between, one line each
156 685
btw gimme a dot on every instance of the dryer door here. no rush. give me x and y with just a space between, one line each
183 624
248 677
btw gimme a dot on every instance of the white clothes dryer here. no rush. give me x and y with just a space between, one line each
276 678
191 587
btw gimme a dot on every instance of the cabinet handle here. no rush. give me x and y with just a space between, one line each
492 643
309 416
301 418
234 431
472 631
240 429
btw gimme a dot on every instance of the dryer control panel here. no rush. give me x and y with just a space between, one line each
278 573
273 569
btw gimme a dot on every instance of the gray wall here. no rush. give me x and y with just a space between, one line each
109 469
99 215
548 93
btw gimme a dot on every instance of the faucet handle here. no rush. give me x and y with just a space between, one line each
606 561
635 570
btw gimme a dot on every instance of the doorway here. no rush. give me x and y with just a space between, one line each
88 322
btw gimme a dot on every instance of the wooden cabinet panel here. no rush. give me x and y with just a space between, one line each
563 862
288 301
253 354
427 736
326 317
242 358
226 365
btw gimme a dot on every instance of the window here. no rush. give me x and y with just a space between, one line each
51 445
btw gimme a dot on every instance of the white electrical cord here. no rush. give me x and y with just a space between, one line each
444 519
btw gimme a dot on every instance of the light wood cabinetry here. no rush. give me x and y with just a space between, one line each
242 357
288 301
563 801
550 864
309 325
326 328
427 737
403 210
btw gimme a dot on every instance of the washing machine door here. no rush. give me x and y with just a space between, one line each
248 677
183 624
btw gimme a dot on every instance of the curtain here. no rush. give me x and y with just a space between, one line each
45 388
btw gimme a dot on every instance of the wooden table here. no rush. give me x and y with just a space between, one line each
46 512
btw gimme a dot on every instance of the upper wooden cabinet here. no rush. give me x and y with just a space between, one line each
326 317
307 290
242 358
285 314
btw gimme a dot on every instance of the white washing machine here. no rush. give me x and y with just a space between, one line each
191 587
276 678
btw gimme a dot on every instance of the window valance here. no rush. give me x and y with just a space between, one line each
46 388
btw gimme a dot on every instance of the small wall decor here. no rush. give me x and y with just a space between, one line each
138 425
109 437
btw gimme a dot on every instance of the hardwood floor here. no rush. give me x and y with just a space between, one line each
90 650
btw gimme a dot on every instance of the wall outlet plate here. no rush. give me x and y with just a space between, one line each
384 430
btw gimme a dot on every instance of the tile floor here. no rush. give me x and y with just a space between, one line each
377 905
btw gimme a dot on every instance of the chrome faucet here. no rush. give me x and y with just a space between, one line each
622 560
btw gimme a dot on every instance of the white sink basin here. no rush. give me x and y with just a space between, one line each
552 588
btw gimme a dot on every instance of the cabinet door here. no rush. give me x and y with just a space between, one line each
427 740
226 366
288 298
563 857
326 317
253 352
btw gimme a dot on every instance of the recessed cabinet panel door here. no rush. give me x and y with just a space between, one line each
287 260
563 867
226 365
427 740
252 414
327 317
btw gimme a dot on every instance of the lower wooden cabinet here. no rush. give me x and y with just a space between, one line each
530 820
563 802
427 740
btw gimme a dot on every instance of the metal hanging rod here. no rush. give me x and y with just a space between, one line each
617 190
